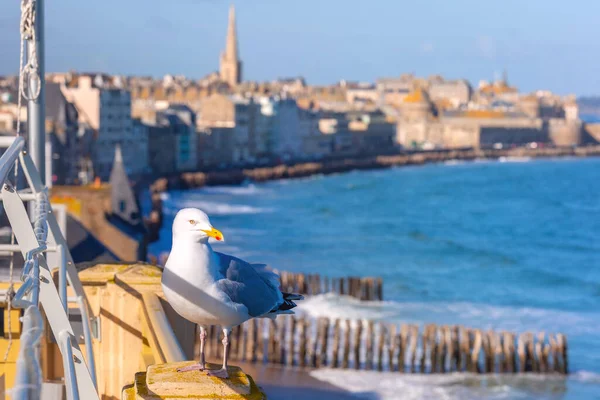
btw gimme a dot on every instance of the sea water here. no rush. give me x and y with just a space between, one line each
493 245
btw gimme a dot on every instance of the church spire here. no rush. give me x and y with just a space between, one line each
231 52
231 66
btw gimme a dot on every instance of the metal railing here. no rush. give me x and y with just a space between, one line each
164 343
34 242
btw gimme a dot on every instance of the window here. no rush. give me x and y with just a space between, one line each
122 205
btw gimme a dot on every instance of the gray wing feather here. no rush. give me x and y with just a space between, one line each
249 284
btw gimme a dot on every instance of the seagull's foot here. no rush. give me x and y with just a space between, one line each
219 373
193 367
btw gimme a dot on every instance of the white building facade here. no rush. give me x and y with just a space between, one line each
107 109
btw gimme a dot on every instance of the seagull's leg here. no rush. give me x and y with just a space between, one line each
200 366
222 373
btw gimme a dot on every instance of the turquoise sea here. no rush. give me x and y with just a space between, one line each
509 245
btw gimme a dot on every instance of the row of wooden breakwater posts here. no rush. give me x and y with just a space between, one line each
369 345
368 288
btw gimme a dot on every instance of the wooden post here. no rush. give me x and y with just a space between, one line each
511 357
521 352
283 281
325 342
251 343
392 344
302 348
272 347
424 345
546 353
382 334
357 344
343 284
243 337
498 350
234 342
346 354
439 349
475 367
370 338
529 359
562 348
413 347
260 340
301 284
447 349
281 339
485 348
320 342
379 290
464 361
315 343
291 341
318 287
539 353
455 354
276 356
489 351
356 287
402 348
336 344
433 349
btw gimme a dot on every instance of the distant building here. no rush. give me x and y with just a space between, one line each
162 148
421 125
62 129
456 92
183 123
393 90
231 67
107 109
231 117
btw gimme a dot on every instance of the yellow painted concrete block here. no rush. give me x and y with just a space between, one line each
164 382
101 273
140 274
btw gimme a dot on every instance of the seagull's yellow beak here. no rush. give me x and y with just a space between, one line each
214 233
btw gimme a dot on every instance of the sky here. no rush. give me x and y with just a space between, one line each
542 44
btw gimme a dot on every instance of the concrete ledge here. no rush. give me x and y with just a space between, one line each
164 382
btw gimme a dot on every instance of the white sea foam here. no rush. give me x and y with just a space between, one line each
463 386
234 190
514 159
585 377
215 208
386 385
474 315
454 162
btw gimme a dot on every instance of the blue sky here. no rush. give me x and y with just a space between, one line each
548 44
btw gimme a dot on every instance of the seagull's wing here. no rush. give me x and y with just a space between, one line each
249 284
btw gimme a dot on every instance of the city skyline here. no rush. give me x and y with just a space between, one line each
540 47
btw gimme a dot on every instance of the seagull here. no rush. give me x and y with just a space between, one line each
212 288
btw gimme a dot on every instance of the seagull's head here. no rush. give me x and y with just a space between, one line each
194 224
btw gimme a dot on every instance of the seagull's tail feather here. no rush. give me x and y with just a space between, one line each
273 314
286 306
292 296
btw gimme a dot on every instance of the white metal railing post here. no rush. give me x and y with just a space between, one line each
87 336
65 342
62 276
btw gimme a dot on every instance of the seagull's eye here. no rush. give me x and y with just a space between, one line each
191 221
